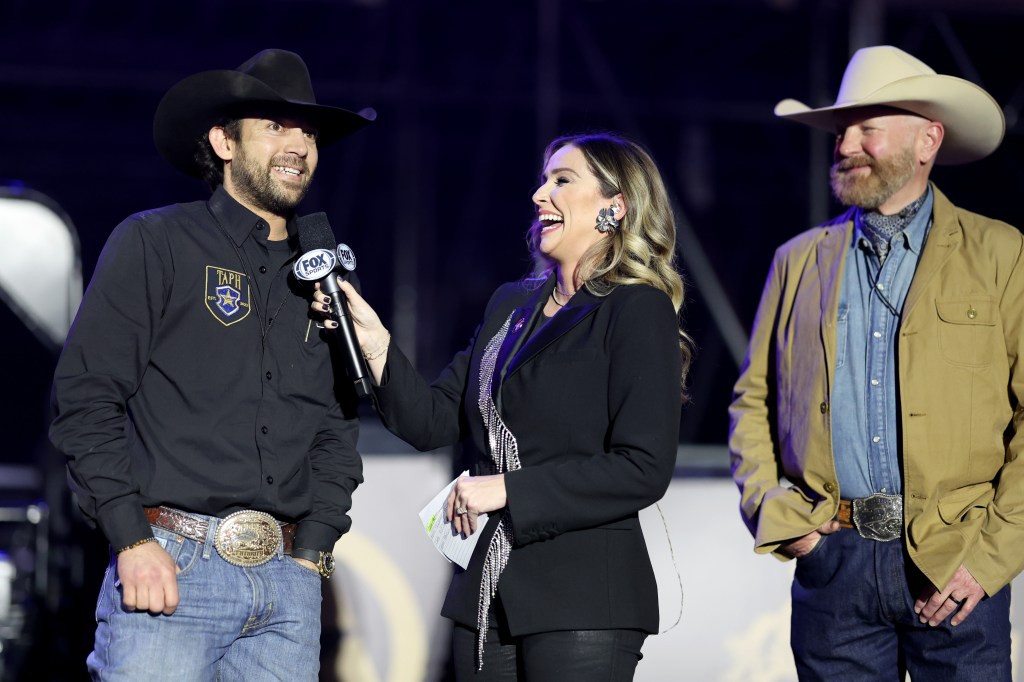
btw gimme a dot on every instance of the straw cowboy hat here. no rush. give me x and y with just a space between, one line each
888 76
272 81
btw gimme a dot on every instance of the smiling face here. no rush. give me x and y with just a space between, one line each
269 168
882 159
568 202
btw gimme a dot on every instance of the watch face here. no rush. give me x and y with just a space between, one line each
327 561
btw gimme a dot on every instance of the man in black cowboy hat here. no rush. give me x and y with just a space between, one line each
883 383
195 398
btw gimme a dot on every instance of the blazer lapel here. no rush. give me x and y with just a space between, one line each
943 239
520 322
831 255
575 311
519 325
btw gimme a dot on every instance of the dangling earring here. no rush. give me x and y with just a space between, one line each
606 220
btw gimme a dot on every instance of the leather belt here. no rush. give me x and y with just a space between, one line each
245 538
877 517
845 514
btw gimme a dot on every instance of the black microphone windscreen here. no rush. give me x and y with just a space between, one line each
315 233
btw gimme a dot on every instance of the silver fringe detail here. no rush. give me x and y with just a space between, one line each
505 455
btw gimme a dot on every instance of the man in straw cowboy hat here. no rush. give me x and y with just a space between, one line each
195 400
883 383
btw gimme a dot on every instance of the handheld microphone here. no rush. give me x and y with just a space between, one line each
319 262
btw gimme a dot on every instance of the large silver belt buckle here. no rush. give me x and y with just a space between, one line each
248 538
879 517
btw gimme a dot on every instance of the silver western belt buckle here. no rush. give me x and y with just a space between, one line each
879 517
248 538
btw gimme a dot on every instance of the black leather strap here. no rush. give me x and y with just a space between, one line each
324 561
307 554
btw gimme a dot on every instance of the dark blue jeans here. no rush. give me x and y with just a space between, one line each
853 619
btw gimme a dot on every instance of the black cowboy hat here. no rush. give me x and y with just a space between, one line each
272 81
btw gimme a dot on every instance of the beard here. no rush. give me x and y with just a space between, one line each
256 183
887 177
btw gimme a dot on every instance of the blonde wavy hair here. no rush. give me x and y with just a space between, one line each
642 249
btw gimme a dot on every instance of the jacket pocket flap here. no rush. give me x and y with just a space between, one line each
977 310
954 504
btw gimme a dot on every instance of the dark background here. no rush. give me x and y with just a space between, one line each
434 198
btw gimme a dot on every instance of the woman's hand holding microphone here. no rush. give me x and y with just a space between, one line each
372 335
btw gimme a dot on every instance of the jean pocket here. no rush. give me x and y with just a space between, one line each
815 551
184 552
303 568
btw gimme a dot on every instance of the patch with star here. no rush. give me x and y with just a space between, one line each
227 295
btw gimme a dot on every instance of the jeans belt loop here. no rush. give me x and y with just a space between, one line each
211 537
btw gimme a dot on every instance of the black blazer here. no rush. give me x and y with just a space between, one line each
593 399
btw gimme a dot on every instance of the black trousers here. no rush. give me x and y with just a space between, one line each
560 656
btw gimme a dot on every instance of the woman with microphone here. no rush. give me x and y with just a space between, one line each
568 400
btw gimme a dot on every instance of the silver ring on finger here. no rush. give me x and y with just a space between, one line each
461 511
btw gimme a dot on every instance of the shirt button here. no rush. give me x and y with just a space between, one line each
875 439
263 269
880 286
823 407
264 429
261 225
829 487
877 335
874 382
270 480
269 375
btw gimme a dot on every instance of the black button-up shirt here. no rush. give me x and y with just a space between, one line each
194 376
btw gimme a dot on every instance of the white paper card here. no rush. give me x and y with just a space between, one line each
449 543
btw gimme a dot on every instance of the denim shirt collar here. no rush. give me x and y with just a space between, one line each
914 234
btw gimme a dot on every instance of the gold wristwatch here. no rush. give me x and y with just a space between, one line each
324 560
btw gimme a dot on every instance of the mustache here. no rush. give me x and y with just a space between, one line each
291 160
853 162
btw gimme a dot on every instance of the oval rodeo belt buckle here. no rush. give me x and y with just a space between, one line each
248 538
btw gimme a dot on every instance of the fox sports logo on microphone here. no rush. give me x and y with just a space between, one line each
314 265
346 257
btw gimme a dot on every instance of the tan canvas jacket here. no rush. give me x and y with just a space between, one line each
960 384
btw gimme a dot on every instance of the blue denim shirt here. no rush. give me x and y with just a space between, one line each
864 415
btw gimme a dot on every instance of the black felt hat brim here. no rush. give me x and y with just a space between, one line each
199 102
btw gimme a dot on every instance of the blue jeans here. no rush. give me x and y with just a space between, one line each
853 619
232 624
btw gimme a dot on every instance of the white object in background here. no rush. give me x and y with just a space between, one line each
40 266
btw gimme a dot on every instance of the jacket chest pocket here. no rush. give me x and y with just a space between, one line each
967 330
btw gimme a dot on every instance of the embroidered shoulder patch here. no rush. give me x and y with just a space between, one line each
227 295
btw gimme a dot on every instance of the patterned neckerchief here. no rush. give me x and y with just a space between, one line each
880 229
